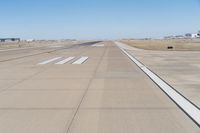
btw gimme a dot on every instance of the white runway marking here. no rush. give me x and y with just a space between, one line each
98 45
51 60
127 47
81 60
65 61
190 109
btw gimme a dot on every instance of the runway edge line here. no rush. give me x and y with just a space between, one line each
181 101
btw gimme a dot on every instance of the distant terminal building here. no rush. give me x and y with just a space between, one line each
189 35
10 39
186 36
195 36
198 34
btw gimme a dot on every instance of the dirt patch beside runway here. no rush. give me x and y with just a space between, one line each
166 45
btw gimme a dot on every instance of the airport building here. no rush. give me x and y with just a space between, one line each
194 36
10 39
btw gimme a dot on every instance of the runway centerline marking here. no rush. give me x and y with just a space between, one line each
187 106
49 61
80 60
65 61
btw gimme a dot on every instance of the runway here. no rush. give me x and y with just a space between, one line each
85 88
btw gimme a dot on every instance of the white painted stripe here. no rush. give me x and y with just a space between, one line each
189 108
127 47
98 45
81 60
180 100
48 61
65 61
133 59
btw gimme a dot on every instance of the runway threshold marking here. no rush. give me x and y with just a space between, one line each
65 61
80 60
49 61
187 106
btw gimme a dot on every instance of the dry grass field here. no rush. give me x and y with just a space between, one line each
177 44
13 45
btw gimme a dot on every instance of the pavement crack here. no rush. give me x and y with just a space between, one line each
87 88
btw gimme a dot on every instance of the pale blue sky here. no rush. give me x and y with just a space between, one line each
97 19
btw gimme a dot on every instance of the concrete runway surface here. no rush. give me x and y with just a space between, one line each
86 88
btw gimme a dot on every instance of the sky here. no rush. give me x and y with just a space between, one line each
98 19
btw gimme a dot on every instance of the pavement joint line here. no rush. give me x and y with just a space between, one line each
127 108
86 91
44 90
36 108
21 81
87 108
15 49
47 52
21 57
189 108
